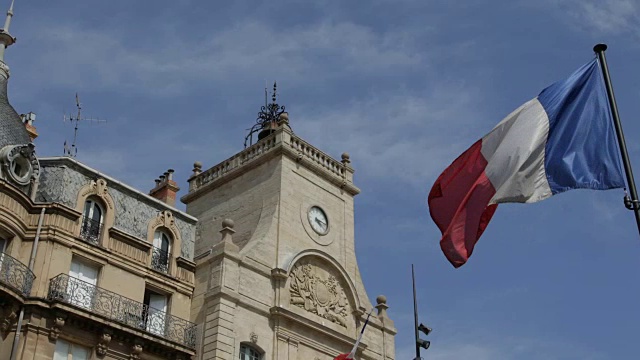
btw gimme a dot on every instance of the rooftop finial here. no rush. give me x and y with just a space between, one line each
268 117
7 22
273 96
6 39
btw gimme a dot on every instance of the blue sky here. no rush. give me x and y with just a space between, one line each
404 86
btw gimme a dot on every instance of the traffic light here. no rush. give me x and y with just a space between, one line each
424 343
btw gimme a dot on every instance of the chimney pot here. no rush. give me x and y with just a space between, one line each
165 189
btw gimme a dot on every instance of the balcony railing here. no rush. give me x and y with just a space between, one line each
15 274
90 230
160 260
118 308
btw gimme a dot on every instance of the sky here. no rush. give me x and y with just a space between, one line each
404 86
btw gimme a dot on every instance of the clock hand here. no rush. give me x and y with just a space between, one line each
320 222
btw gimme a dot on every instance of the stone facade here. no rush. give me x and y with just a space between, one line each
269 281
105 307
263 261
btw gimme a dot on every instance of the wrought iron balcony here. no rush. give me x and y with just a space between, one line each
15 274
72 291
160 260
90 230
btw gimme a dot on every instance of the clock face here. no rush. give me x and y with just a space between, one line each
318 220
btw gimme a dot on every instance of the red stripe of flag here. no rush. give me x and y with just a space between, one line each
459 204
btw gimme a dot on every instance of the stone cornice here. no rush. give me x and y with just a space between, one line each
126 237
186 264
281 142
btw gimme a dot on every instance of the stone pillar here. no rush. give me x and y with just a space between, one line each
388 329
221 298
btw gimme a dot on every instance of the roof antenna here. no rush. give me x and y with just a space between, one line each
72 151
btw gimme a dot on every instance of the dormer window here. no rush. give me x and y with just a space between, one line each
161 252
92 221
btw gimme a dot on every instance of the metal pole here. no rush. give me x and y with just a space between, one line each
635 206
415 313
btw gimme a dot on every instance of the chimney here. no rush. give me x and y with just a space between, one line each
165 189
28 120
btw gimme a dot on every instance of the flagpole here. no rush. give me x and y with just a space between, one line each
415 314
632 204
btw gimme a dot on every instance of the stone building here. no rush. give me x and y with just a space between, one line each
261 265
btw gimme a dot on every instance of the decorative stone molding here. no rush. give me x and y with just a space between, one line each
19 164
253 337
99 189
166 221
317 290
136 350
56 326
103 342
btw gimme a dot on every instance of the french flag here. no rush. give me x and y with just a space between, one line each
561 140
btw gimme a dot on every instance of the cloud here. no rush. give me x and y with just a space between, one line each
603 16
170 64
405 136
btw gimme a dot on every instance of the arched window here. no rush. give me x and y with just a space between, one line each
92 221
249 353
161 251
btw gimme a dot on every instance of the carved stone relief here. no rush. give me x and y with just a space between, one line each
317 290
136 349
103 343
58 323
99 188
9 317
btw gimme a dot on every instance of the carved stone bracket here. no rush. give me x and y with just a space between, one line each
9 318
253 337
136 350
317 290
56 326
103 342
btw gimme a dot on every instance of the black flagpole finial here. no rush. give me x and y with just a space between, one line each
599 48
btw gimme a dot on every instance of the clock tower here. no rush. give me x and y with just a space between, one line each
276 270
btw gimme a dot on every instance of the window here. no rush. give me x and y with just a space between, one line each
68 351
91 221
155 312
161 251
3 244
81 288
249 353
